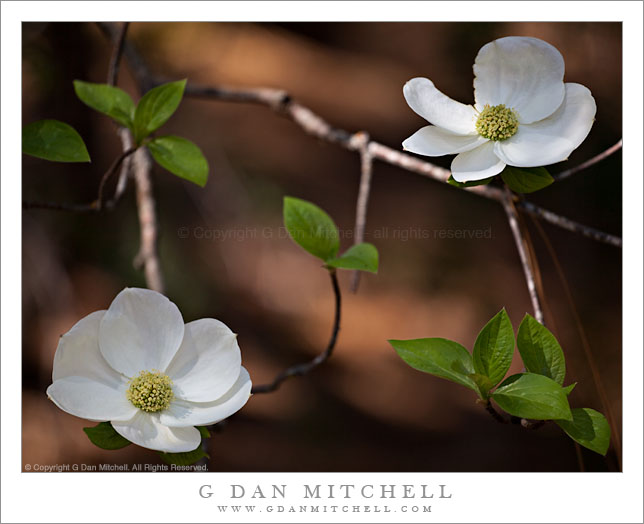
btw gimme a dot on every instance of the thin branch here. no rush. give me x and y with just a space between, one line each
61 206
590 162
92 207
495 414
279 101
115 59
522 248
147 258
282 103
306 367
112 169
570 225
124 134
127 142
138 67
366 170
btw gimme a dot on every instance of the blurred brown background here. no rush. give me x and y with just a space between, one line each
364 410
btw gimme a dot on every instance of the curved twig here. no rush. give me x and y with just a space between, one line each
115 165
306 367
96 205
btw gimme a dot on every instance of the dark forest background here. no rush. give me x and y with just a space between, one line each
364 410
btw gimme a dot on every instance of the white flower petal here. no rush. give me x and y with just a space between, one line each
141 330
78 354
477 164
525 74
85 398
551 140
147 431
436 141
439 109
207 363
184 413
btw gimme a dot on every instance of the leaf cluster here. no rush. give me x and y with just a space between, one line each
59 142
536 394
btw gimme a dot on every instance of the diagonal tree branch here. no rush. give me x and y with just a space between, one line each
282 103
590 162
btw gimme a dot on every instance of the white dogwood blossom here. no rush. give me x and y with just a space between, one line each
524 114
153 377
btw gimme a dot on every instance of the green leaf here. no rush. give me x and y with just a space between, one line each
184 459
156 106
453 182
588 428
439 357
540 351
53 140
105 436
528 395
568 389
526 179
311 228
483 383
106 99
363 257
203 430
181 157
494 347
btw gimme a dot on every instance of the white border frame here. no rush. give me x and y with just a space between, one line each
542 497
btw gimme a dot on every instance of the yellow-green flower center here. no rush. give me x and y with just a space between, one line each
497 122
150 391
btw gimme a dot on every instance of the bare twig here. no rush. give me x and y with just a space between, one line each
92 207
61 206
307 367
147 258
313 124
112 169
366 170
127 142
570 225
138 67
522 248
124 134
590 162
281 102
115 59
495 414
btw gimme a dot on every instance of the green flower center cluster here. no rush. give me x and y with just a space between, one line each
497 122
150 391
